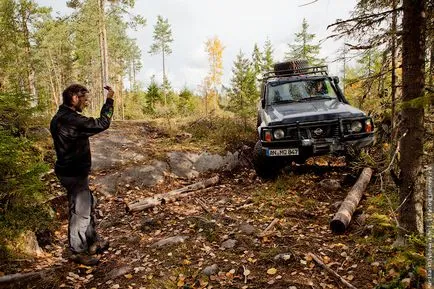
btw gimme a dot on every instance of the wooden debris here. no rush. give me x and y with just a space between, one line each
343 216
21 277
327 268
161 199
272 224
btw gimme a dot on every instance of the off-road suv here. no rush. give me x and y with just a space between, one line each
302 113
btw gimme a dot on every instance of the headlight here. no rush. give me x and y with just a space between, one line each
278 134
356 126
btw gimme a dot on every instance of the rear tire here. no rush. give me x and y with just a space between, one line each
265 168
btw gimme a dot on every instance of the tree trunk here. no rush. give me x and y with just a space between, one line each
27 49
411 191
164 77
393 76
343 216
103 46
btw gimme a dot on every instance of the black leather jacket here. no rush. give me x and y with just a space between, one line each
71 131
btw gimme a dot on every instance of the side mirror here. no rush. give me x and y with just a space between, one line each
336 80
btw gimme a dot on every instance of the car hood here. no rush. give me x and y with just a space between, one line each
315 110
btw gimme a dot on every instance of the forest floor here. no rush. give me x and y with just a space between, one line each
217 230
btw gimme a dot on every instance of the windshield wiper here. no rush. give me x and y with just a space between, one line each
317 98
284 101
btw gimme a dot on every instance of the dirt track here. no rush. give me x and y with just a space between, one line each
218 225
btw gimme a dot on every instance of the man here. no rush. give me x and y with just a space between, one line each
71 131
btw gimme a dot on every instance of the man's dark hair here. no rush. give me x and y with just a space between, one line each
73 89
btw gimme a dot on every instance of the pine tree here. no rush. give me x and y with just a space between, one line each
267 61
303 47
153 95
243 93
185 103
162 39
257 59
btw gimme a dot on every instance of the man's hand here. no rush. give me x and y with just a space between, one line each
110 91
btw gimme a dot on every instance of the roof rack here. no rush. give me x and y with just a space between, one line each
316 70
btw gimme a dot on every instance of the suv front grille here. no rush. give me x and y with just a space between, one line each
324 131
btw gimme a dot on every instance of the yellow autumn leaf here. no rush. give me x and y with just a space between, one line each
271 271
186 262
180 283
128 276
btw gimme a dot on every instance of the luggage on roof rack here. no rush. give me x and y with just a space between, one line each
294 68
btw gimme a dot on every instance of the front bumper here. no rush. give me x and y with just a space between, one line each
311 146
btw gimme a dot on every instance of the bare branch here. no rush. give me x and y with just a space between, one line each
308 3
365 17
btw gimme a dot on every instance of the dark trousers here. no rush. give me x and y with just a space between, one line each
81 228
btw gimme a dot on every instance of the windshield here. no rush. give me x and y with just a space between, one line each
297 91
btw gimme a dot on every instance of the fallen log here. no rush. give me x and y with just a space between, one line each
343 217
24 277
329 270
161 199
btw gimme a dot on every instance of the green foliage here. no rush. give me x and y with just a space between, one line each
409 263
134 103
186 104
21 165
303 47
243 93
257 59
226 132
153 95
162 37
16 114
267 61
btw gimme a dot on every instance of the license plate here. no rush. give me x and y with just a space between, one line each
282 152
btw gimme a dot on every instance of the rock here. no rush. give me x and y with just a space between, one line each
144 176
208 162
169 241
211 162
292 287
229 244
140 176
210 270
283 257
247 229
118 272
181 164
330 184
28 244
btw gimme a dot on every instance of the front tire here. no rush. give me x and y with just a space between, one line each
265 167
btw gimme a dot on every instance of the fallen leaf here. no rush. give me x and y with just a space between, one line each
252 260
271 271
246 272
128 276
350 277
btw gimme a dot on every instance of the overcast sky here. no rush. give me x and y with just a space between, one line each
239 24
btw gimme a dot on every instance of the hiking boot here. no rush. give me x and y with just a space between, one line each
84 259
98 247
